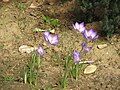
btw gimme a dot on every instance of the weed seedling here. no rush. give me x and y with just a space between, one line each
51 21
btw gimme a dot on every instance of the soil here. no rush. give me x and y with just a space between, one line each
16 29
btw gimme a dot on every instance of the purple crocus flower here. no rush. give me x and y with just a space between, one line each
90 35
76 57
46 34
85 48
80 27
40 51
50 38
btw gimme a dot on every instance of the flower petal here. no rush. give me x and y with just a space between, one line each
54 40
77 26
76 56
84 44
46 34
87 49
96 37
81 27
86 34
41 51
92 33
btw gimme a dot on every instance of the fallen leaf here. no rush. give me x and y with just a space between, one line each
26 49
90 69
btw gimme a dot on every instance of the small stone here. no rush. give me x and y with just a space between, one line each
102 46
26 49
107 53
90 69
33 6
52 31
6 0
56 49
112 43
44 44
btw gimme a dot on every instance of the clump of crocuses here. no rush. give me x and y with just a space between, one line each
89 35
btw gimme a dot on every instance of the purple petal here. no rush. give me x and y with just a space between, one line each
53 39
84 44
80 27
74 26
85 34
76 56
77 26
46 34
87 49
96 37
92 33
41 51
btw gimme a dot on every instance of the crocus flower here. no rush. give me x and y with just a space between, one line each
90 35
46 34
80 27
76 56
50 38
85 47
40 51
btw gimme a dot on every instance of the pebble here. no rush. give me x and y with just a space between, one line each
102 46
90 69
26 49
6 0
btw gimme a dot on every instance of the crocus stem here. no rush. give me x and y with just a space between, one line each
64 80
76 71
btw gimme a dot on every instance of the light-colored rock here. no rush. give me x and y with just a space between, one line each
102 46
26 49
6 0
33 6
90 69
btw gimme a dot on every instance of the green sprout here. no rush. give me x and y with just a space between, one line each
51 21
31 73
